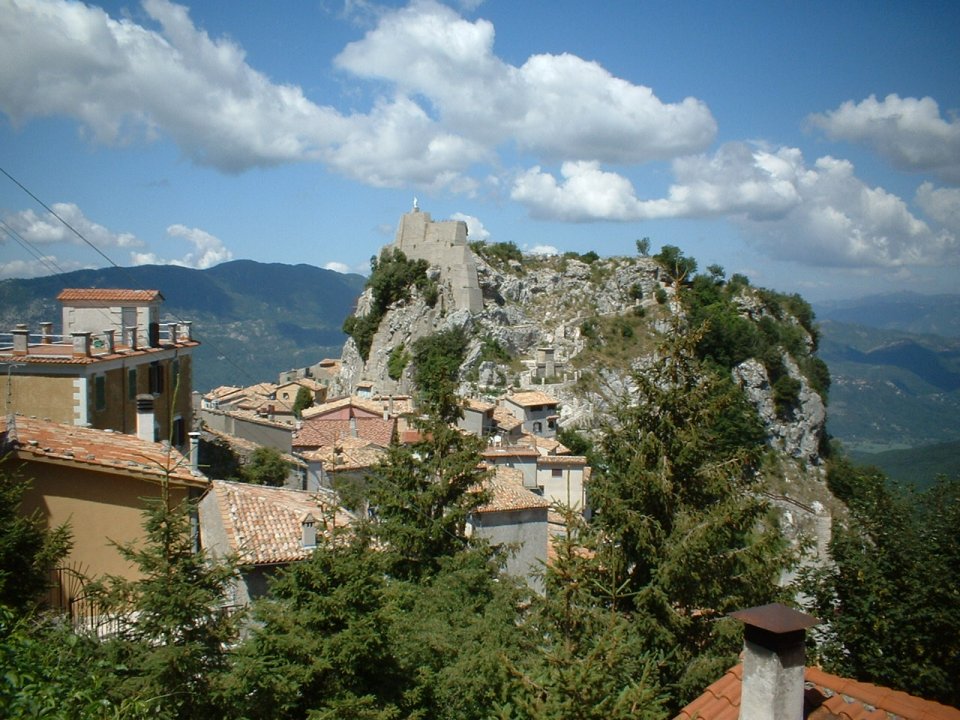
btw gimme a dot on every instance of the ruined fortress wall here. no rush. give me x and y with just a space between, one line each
444 245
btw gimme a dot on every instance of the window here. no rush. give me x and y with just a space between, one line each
156 378
538 426
556 472
178 432
132 383
100 392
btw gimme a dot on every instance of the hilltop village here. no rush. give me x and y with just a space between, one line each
103 414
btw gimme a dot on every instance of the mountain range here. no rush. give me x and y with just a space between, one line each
894 359
253 319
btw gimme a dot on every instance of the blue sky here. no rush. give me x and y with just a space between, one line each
813 146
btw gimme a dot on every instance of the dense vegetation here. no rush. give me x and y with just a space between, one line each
392 278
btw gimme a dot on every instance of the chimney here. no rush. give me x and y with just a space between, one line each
194 451
354 432
109 337
773 662
145 429
173 331
81 344
308 531
188 329
130 331
46 332
21 339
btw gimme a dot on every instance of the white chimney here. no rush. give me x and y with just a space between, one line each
354 431
145 429
773 662
308 531
194 451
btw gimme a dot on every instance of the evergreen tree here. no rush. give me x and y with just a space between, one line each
171 650
891 597
28 550
585 658
674 496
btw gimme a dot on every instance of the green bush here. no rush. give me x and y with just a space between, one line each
397 362
661 296
786 394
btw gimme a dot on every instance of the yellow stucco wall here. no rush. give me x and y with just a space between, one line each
99 507
39 396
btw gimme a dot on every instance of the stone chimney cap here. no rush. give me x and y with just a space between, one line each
775 618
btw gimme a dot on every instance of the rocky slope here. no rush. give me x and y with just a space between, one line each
600 319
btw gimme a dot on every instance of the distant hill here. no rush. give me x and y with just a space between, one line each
907 311
253 319
916 467
896 382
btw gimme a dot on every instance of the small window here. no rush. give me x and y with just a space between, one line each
156 378
538 426
556 472
132 383
178 432
100 392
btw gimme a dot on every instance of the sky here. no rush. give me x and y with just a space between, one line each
812 146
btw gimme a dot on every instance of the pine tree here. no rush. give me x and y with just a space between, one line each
173 645
28 550
675 497
585 658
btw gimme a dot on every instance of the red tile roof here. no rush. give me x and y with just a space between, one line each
827 697
108 295
263 524
530 398
100 450
320 432
508 493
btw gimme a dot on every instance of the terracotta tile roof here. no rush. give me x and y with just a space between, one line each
530 398
827 697
108 295
373 407
479 405
508 493
347 454
506 419
243 446
510 451
546 446
100 450
320 432
263 524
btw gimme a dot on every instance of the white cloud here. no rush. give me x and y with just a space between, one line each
123 81
543 250
208 250
475 229
908 132
337 267
46 228
39 267
822 215
558 106
941 204
449 103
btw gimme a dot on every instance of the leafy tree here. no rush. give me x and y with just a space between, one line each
891 594
171 650
436 367
266 466
218 460
643 247
303 401
28 550
672 494
679 267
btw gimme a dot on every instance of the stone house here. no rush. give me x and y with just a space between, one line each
538 413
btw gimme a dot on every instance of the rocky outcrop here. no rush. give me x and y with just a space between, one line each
799 432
